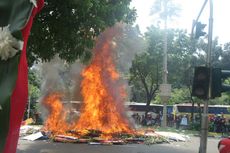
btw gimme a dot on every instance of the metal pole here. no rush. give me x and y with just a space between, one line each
204 129
165 71
28 110
204 126
195 21
210 29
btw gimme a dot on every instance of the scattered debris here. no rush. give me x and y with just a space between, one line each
28 121
29 129
174 136
64 138
33 137
95 137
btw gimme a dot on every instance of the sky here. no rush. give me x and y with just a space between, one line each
190 11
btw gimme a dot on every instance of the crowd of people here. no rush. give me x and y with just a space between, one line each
155 119
217 123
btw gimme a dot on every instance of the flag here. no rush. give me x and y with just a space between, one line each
16 17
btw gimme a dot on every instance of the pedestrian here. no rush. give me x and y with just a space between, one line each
184 122
178 120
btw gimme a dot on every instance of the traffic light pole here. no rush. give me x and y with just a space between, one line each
195 21
204 124
210 29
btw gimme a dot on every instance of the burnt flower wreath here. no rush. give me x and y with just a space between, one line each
9 45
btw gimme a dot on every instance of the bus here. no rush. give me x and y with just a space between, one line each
140 108
187 108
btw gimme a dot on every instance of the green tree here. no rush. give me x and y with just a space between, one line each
181 52
34 83
179 95
202 48
68 28
144 73
225 64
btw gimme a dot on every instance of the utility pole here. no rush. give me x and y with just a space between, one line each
165 89
28 108
204 124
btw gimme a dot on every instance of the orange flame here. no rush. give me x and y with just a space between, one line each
103 97
56 120
103 94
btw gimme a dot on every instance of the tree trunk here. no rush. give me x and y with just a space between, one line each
192 112
149 98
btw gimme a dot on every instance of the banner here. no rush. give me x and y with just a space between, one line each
16 17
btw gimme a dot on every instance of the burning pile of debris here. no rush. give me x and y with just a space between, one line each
102 117
96 137
93 136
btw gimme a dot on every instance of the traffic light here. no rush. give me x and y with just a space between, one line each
199 30
200 87
217 86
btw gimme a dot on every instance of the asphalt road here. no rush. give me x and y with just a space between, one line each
174 147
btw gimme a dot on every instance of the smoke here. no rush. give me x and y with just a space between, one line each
52 79
129 43
60 77
75 75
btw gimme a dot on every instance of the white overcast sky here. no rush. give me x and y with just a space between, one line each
190 10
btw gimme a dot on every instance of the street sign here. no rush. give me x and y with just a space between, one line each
165 90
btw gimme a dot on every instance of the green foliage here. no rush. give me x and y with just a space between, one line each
195 126
180 54
202 48
148 64
68 28
224 60
179 95
144 75
34 85
223 100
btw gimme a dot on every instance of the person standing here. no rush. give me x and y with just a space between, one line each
184 122
178 120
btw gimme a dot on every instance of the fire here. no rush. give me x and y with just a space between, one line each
103 94
56 120
103 97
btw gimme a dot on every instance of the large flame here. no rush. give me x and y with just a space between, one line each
103 96
102 92
56 120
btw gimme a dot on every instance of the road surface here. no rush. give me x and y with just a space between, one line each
174 147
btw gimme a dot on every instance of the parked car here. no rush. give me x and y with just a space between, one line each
224 145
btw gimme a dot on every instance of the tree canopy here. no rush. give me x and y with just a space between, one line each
184 54
68 28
